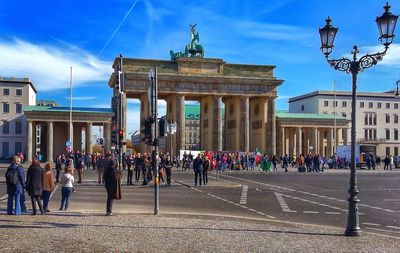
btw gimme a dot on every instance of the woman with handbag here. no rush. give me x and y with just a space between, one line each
67 188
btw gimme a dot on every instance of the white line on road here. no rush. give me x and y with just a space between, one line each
394 227
391 200
243 198
310 212
3 198
383 230
332 213
282 203
371 224
275 187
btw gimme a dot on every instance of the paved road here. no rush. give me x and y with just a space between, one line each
303 198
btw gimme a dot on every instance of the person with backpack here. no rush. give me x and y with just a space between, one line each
34 185
15 186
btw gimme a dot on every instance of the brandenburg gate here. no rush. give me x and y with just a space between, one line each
246 92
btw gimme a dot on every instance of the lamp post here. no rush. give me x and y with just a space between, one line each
397 94
386 25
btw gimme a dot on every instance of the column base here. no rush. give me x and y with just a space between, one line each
352 232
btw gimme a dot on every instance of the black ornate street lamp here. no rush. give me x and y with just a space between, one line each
386 24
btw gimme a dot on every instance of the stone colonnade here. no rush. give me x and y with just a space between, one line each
55 134
316 140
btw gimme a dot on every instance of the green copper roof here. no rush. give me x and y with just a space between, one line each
282 114
66 109
192 111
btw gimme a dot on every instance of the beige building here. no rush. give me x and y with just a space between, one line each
377 116
14 94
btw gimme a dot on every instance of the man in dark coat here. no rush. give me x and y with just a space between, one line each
34 185
198 169
15 191
112 181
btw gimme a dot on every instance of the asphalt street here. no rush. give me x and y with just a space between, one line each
311 198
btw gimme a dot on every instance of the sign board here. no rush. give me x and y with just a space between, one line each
68 149
99 141
68 144
171 127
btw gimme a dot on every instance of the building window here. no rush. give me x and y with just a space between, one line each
6 92
334 103
370 105
396 151
18 127
366 133
5 147
18 108
361 104
326 103
387 134
18 92
387 105
387 150
396 135
6 127
396 118
366 119
387 116
18 147
379 105
344 103
302 107
6 108
396 106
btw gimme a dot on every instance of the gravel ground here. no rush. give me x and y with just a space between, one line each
76 232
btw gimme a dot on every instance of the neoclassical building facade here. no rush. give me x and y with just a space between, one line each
246 92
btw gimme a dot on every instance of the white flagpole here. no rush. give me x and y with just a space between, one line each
71 133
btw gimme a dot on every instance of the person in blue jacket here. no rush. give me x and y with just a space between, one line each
15 185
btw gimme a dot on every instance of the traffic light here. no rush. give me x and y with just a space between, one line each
147 131
161 127
114 137
120 137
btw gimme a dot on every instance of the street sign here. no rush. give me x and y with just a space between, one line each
99 141
171 128
68 149
68 144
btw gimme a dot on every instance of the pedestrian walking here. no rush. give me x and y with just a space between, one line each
15 186
138 166
100 169
285 162
198 169
67 188
206 168
168 169
79 164
130 165
34 185
112 182
58 168
48 186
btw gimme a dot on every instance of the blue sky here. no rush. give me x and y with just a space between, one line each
42 39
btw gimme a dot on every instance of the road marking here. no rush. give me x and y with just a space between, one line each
243 198
55 189
310 212
371 224
275 187
393 227
282 203
236 204
391 200
332 213
315 203
4 198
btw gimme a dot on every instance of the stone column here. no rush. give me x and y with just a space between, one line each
294 140
180 123
315 140
299 142
88 135
329 142
225 124
50 145
217 123
345 132
283 141
144 113
244 125
272 125
29 152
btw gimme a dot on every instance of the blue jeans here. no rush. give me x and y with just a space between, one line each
46 198
65 194
16 198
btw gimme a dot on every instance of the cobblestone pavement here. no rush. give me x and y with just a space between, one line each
75 232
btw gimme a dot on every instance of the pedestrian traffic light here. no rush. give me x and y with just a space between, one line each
120 137
114 137
147 131
161 127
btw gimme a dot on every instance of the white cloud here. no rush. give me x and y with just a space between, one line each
48 67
